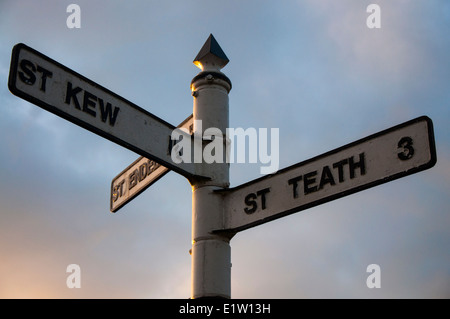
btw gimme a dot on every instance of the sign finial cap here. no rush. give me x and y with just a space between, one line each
211 56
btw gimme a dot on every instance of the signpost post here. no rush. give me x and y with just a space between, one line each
211 253
218 212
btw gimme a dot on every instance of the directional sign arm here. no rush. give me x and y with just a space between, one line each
138 176
402 150
60 90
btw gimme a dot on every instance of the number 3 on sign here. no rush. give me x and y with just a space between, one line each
408 151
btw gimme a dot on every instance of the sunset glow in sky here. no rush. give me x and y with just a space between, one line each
311 68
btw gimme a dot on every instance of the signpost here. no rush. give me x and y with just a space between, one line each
57 89
382 157
138 176
218 212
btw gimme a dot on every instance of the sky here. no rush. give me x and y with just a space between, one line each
312 68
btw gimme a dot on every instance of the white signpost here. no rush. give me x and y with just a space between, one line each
56 88
218 212
138 176
382 157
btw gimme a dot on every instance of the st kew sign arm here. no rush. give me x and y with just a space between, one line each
399 151
57 89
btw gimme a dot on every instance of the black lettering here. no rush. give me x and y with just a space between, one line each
45 73
263 193
89 101
115 194
71 94
354 165
326 177
340 167
408 151
142 172
309 179
250 200
28 68
294 182
118 191
151 166
106 112
133 179
121 187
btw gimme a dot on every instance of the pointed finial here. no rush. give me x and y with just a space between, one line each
211 56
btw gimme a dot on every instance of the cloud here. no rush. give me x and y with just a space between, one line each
311 68
380 52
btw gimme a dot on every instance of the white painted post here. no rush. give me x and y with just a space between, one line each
211 253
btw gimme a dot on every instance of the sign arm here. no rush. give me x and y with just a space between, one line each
54 87
138 176
382 157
